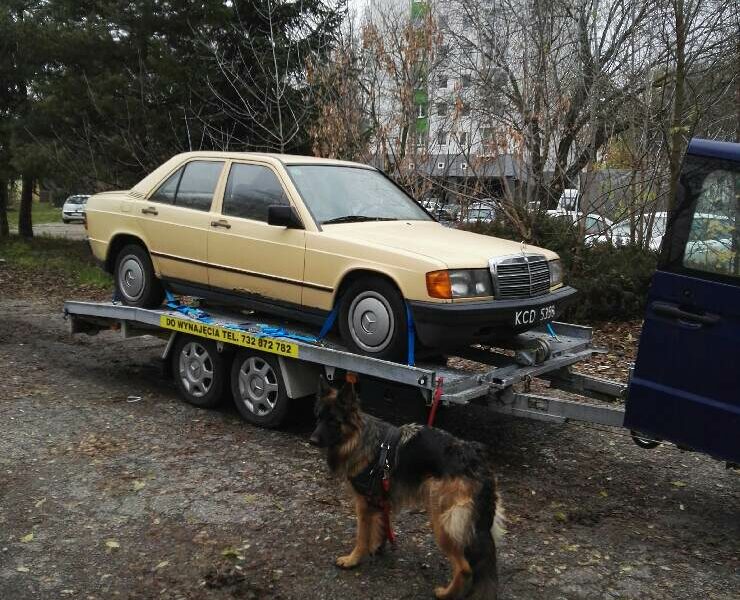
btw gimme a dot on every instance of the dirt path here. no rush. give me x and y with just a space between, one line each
70 231
110 487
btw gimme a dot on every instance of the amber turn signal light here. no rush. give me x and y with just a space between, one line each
438 285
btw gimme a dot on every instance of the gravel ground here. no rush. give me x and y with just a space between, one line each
111 487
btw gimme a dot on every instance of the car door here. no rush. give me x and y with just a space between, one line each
176 219
246 255
686 382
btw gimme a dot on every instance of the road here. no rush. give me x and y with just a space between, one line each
111 487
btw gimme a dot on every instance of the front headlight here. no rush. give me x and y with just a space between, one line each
459 283
556 272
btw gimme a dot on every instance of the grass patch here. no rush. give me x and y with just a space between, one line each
41 212
45 213
69 260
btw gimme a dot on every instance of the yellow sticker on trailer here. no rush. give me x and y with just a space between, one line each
230 336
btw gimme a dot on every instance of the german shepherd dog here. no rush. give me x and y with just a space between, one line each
426 468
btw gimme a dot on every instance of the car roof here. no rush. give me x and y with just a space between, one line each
714 149
286 159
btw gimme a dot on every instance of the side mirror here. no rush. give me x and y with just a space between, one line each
283 216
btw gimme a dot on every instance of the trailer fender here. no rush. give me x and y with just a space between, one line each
301 378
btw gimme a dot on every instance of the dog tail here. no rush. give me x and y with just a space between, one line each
481 549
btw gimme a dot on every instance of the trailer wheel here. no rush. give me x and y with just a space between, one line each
258 388
199 370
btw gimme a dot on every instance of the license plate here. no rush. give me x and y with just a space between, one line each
534 315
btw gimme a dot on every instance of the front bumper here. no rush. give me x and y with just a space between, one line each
461 324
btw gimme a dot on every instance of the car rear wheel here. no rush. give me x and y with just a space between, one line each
136 283
258 388
372 319
200 371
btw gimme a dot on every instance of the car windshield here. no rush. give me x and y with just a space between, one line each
479 213
77 199
595 226
337 194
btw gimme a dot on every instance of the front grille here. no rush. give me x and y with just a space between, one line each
523 276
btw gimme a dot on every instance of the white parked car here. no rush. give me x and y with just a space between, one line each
480 212
597 229
621 231
74 208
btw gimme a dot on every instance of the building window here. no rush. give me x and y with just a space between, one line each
443 21
440 165
444 51
442 81
467 22
441 109
467 80
464 166
442 140
462 138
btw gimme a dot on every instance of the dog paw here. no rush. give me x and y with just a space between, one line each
441 593
347 562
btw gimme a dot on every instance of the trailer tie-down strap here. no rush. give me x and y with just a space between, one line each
256 329
259 329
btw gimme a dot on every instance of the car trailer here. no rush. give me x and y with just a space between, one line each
277 361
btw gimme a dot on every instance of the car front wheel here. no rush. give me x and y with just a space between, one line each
372 319
136 283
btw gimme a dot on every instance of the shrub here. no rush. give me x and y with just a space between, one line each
613 282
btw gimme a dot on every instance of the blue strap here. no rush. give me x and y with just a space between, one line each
255 329
550 330
411 335
329 323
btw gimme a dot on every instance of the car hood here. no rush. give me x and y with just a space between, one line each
453 247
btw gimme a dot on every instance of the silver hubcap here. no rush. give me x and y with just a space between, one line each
196 369
371 321
258 386
131 277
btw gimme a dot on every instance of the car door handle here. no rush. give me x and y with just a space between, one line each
150 210
672 310
221 223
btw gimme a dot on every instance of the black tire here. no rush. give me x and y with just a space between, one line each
382 300
135 280
258 388
192 357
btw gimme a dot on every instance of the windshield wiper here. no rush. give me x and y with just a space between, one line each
356 219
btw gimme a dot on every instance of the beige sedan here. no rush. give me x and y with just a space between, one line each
298 236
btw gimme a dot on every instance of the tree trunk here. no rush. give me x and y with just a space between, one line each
4 228
25 224
676 135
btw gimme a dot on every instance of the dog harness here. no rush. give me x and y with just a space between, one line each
374 481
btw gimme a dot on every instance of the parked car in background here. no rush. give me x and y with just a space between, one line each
300 236
621 231
479 212
74 208
597 229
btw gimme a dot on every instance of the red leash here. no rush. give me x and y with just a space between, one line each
387 513
435 401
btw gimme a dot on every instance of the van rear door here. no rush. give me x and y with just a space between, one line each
686 382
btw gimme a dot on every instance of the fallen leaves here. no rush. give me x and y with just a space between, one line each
27 538
112 545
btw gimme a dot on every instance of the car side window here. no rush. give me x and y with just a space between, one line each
191 186
166 192
712 244
250 189
198 183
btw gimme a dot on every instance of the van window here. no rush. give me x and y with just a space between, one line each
712 245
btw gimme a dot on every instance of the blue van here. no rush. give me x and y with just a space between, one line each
685 386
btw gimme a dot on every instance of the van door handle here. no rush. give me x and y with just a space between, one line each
672 310
221 223
150 210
